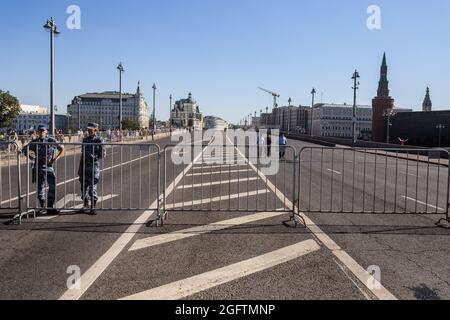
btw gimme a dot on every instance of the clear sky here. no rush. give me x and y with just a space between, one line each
222 50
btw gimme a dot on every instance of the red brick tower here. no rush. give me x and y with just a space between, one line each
380 104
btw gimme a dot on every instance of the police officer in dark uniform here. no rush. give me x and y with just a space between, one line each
46 151
89 172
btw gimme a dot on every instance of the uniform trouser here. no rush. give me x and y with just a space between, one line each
46 176
89 178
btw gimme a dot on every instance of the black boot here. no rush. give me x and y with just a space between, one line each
85 206
52 211
92 212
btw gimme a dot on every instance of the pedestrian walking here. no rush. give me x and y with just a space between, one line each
282 144
46 151
89 171
269 143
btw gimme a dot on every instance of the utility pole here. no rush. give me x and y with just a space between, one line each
121 70
170 115
51 26
355 78
440 127
154 112
313 93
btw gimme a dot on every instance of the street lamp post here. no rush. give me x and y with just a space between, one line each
50 25
79 112
388 114
440 127
121 70
154 112
313 93
170 115
355 87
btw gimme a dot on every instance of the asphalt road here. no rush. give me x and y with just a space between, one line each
229 241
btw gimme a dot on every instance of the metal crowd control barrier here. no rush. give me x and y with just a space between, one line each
10 182
380 181
228 178
126 177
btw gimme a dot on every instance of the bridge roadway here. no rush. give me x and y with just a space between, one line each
210 253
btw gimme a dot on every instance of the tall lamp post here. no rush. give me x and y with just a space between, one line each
170 115
79 112
388 114
355 87
313 93
121 70
440 127
50 25
154 112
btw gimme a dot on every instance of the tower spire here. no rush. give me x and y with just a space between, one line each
427 105
383 85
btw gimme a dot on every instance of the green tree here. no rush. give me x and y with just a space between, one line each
9 108
129 124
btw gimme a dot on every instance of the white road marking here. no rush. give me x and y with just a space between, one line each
188 287
217 172
207 167
216 199
196 231
410 174
423 203
216 183
357 270
334 171
92 274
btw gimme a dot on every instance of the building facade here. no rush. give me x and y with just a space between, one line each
212 122
104 109
32 116
336 120
381 104
290 119
422 129
186 114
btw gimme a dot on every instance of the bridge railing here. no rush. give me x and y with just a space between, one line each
92 177
380 181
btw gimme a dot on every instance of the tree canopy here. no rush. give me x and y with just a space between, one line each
9 108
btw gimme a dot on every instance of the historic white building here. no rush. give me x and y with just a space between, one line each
336 120
30 117
104 109
186 114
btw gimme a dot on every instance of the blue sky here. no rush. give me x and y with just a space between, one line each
222 50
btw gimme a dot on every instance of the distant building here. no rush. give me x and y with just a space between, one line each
31 116
336 120
427 105
290 119
421 128
380 104
212 122
104 109
186 114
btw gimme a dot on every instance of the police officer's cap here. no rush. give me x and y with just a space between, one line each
42 127
92 126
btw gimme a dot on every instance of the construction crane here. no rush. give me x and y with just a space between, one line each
275 96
